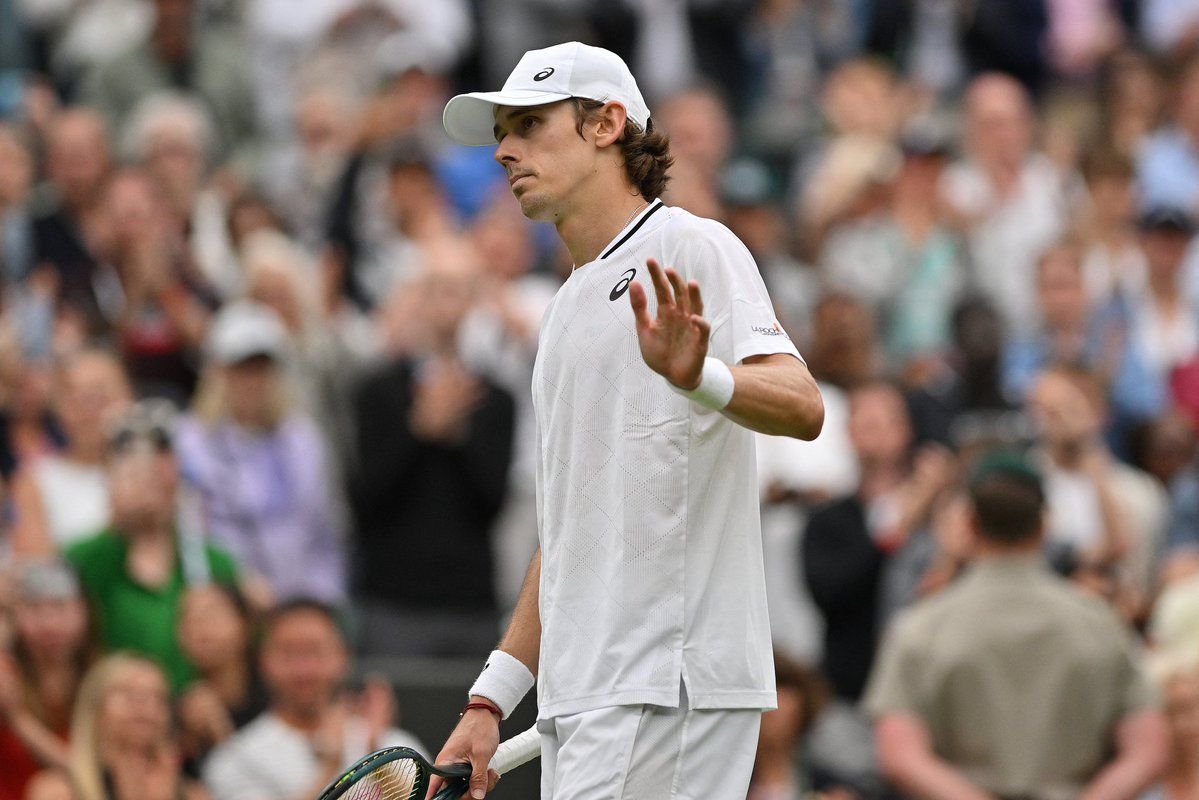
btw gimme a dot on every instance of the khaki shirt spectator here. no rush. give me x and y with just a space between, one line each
1019 677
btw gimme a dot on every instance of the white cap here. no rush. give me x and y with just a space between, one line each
245 329
548 76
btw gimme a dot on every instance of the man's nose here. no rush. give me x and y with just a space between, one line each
505 154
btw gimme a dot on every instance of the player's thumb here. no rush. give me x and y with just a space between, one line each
478 781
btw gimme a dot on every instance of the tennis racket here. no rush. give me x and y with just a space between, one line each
400 773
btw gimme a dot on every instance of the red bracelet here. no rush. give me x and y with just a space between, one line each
499 715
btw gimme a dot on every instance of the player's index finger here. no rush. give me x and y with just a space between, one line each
661 285
639 303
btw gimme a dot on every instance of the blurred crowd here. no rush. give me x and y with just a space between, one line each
266 339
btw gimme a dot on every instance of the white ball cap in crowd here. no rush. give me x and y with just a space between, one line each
548 76
245 329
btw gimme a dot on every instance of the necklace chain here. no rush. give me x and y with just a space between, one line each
636 211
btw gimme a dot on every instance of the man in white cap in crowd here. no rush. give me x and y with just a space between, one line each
643 615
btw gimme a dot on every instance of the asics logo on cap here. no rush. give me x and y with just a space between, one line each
545 73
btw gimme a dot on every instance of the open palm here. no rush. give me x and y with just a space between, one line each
675 342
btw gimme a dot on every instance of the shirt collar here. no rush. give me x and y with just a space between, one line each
631 229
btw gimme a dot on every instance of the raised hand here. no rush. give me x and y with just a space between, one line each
675 342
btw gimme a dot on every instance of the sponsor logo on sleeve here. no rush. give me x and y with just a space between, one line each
775 330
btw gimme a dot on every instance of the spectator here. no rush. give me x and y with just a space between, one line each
27 426
795 476
378 246
1074 331
1165 320
752 201
1007 196
1168 451
1181 694
1131 95
327 348
499 340
179 53
1102 514
16 232
844 347
122 744
67 233
1167 163
68 37
60 498
1113 260
260 466
848 543
434 445
955 719
959 400
299 177
863 557
159 312
801 698
902 258
40 675
312 729
296 47
842 179
701 139
135 573
171 136
796 44
216 633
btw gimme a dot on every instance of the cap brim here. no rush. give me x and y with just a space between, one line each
470 118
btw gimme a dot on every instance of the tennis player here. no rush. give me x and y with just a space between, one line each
643 615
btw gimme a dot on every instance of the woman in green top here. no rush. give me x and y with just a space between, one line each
136 573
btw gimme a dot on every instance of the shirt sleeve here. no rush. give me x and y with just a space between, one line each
735 297
893 687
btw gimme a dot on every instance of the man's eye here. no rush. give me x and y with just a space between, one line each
528 122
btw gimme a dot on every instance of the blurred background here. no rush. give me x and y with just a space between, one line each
266 337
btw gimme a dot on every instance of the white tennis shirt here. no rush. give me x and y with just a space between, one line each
651 548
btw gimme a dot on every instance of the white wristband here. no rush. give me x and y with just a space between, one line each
715 388
505 680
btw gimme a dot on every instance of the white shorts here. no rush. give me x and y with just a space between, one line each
648 753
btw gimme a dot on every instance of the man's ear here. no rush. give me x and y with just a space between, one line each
609 124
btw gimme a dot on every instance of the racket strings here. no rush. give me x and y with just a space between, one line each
395 780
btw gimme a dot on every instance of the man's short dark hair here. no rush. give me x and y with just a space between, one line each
302 605
647 158
1008 499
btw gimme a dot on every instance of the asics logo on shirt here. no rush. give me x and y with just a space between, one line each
545 73
621 287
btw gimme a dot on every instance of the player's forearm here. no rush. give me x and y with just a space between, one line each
522 640
776 397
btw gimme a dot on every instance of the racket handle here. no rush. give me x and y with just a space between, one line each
519 749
